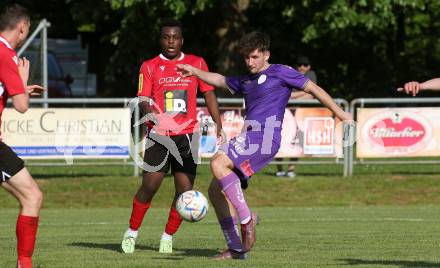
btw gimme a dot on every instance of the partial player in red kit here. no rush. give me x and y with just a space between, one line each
172 139
14 177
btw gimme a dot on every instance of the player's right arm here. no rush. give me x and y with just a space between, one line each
214 79
145 89
414 87
13 84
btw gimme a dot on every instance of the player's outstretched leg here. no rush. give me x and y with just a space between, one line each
26 190
228 223
183 182
141 203
221 167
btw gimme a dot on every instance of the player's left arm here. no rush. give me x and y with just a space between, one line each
327 101
23 71
301 95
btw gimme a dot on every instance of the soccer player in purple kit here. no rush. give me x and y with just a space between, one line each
266 91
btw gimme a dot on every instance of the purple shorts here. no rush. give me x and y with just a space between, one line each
250 153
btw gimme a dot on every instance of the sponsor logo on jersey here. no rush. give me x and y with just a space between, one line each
173 80
162 68
246 168
141 83
262 79
397 133
176 101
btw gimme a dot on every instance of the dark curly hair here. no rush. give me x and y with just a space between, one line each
253 40
169 22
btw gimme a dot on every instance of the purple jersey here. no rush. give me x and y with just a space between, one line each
266 95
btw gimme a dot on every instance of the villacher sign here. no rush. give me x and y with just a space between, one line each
395 132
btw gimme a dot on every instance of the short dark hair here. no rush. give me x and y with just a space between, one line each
302 60
11 15
253 40
169 22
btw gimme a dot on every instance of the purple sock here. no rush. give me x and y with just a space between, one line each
231 234
235 222
232 188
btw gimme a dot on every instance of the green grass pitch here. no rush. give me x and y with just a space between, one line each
382 217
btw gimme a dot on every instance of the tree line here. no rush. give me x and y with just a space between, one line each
358 48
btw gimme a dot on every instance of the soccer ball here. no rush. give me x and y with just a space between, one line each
192 206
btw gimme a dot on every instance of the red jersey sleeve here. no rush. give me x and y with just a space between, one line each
9 76
145 77
204 87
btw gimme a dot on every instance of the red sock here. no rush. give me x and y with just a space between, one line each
26 231
174 221
138 213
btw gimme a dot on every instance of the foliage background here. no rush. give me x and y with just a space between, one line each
362 48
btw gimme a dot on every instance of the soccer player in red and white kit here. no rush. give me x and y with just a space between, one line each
172 112
14 177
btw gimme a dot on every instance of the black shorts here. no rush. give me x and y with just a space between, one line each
10 163
159 158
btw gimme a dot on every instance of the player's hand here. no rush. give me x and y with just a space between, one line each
346 117
23 69
35 90
221 136
412 88
185 69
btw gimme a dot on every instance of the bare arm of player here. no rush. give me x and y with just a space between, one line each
23 70
301 95
327 101
21 101
211 103
414 87
214 79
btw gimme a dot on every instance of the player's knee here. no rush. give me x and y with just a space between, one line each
217 164
147 192
38 198
33 199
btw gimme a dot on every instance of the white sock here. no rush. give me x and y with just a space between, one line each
166 236
132 233
245 221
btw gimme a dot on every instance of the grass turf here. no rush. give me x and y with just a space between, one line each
287 237
384 216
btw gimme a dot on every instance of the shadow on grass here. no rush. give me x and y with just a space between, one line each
177 252
402 264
